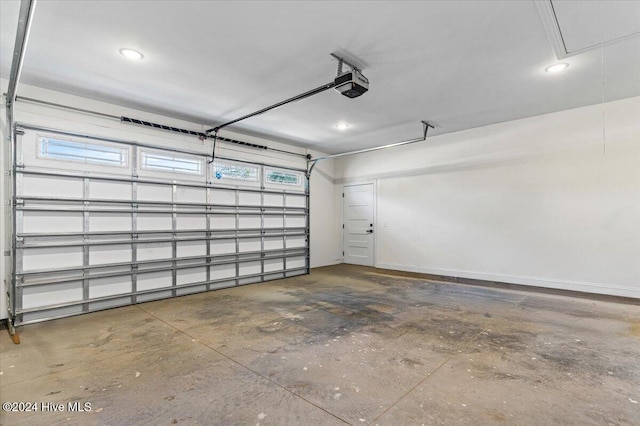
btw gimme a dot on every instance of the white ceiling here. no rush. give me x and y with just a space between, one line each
456 64
582 25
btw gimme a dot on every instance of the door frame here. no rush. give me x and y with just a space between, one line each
374 184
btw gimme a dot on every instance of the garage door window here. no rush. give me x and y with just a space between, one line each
83 152
171 163
283 177
235 171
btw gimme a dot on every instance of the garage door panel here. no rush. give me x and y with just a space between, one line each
110 235
110 303
147 192
148 297
273 222
250 280
190 222
101 255
191 195
154 251
249 198
109 222
46 314
250 244
249 268
271 265
223 246
269 277
249 221
48 222
51 294
295 201
153 280
181 291
51 258
191 275
51 186
296 242
222 284
295 222
221 196
220 221
110 190
191 248
154 222
219 272
103 287
296 262
273 200
273 243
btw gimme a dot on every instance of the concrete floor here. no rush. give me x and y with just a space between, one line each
343 345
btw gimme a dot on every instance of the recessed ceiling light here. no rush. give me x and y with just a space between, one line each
342 126
556 67
131 54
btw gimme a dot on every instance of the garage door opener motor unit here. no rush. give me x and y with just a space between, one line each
352 83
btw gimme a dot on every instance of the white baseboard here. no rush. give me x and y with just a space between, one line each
587 287
327 263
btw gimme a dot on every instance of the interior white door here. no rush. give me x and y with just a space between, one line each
358 209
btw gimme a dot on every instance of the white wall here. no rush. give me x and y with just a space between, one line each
325 236
552 201
326 219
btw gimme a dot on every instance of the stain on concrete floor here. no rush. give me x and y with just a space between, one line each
343 345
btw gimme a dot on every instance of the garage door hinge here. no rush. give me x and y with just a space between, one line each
343 253
343 226
7 253
343 195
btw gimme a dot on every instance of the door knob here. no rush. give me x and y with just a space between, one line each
370 231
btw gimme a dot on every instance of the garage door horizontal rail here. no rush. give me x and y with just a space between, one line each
41 283
157 231
129 211
22 284
285 252
151 291
151 240
161 203
165 183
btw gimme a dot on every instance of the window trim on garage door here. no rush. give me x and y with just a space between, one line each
293 208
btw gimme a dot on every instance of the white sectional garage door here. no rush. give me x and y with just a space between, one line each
101 223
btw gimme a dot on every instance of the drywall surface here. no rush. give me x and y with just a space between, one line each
325 215
551 201
325 205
